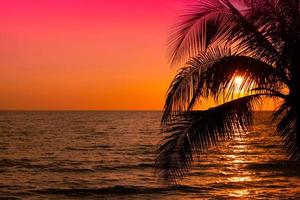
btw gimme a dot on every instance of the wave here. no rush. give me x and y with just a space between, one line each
77 149
118 190
136 166
72 166
90 148
25 164
277 165
283 168
13 162
54 168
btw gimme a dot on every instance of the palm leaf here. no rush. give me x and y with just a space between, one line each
286 127
189 80
198 28
251 32
211 74
211 23
195 131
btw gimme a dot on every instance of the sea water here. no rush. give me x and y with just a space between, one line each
110 155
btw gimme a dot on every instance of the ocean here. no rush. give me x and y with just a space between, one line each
110 155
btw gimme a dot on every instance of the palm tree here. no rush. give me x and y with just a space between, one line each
215 41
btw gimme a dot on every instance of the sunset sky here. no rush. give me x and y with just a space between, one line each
85 54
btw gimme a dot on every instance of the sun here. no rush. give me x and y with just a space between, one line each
238 80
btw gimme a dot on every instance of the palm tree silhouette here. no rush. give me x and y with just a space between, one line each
218 40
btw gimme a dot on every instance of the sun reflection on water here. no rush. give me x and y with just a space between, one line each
240 193
240 179
239 174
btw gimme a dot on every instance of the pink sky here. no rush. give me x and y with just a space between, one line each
85 54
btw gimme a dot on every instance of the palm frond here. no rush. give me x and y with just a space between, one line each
270 92
200 26
286 127
195 131
211 75
190 81
211 23
250 33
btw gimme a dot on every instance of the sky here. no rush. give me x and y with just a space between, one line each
85 54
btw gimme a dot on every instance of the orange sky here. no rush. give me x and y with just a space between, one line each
85 54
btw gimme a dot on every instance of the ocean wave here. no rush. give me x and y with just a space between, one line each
90 148
283 168
26 164
117 190
77 149
277 165
134 166
9 198
14 162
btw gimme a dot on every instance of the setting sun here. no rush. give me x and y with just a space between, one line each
238 80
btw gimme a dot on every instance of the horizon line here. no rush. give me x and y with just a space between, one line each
98 110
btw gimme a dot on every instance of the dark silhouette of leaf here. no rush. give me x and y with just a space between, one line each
194 131
211 74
